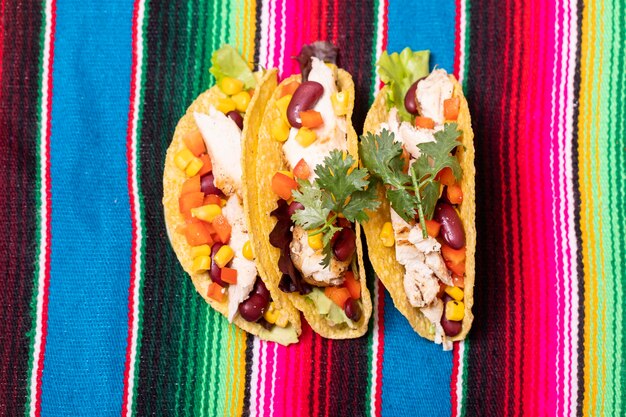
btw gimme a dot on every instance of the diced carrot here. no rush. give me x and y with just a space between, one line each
216 292
406 157
302 170
352 285
457 269
191 185
455 194
229 275
339 295
311 119
432 228
451 108
207 166
222 228
188 201
445 176
194 142
289 88
282 185
425 122
455 256
212 199
458 281
181 229
197 233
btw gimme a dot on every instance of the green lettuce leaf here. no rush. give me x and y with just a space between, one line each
399 72
226 62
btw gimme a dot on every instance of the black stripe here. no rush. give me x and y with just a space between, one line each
257 31
246 396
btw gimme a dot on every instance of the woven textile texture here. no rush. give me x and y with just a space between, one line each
98 319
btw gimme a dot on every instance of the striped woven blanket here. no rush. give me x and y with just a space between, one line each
97 318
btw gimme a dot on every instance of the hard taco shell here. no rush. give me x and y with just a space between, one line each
383 259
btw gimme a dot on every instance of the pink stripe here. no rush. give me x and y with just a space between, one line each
269 381
378 404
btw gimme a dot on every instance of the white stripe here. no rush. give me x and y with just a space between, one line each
283 29
462 39
254 377
375 347
262 378
136 201
264 41
43 213
272 34
379 39
459 377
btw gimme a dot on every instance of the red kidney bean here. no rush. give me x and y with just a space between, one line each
451 328
410 98
237 118
216 271
352 309
345 245
207 185
451 226
304 98
253 307
261 289
293 207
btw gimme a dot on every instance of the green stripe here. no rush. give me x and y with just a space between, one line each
463 399
621 191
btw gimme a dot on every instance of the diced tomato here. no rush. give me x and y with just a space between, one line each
455 256
457 269
191 185
282 185
289 88
302 170
194 142
216 292
188 201
229 275
212 199
207 166
222 228
425 122
445 176
406 157
353 286
455 194
451 108
311 119
197 233
432 228
339 295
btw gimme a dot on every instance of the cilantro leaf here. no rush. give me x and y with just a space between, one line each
339 178
430 195
354 211
381 155
439 152
315 213
403 203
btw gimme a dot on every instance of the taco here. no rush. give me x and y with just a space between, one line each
311 194
204 199
418 143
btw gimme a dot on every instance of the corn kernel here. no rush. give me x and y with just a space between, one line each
183 158
247 251
206 213
225 104
315 241
241 99
194 167
306 136
282 104
279 130
287 173
340 103
282 320
223 201
201 264
455 292
455 310
271 314
386 235
224 256
202 250
231 85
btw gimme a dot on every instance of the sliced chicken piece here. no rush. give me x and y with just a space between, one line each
432 252
431 92
420 284
407 134
246 269
308 261
433 313
222 138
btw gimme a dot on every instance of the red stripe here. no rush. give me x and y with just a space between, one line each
457 39
133 208
454 379
378 402
48 203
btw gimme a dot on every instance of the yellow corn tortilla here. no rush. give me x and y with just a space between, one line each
383 259
173 179
264 157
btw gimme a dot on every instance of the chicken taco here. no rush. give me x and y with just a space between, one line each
310 195
204 199
421 240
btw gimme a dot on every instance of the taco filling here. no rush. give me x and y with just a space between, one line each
413 154
211 200
322 195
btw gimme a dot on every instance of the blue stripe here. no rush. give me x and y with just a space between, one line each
416 372
91 229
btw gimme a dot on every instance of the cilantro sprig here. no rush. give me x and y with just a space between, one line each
417 191
340 188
